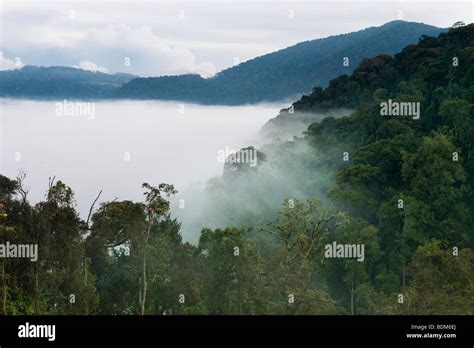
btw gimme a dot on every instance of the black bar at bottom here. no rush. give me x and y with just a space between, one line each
448 331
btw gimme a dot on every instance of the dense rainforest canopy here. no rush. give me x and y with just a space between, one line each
401 187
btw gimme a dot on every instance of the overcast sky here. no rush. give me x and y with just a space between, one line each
161 37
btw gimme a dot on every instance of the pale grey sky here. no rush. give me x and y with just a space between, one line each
164 37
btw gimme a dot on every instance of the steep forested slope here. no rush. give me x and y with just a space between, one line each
406 182
283 74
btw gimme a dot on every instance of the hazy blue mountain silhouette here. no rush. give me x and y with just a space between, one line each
60 82
284 74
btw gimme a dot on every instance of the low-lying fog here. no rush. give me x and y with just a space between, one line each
116 146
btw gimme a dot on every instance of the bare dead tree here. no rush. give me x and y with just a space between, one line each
91 209
20 179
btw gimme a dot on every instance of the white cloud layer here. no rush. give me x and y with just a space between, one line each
8 64
91 66
144 51
174 37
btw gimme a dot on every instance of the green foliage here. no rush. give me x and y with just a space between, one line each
232 272
442 282
406 194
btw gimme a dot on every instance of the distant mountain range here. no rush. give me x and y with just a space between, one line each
60 82
285 74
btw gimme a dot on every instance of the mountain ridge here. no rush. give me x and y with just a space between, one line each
62 82
301 67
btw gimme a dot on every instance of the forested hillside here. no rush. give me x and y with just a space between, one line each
301 67
284 74
400 184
